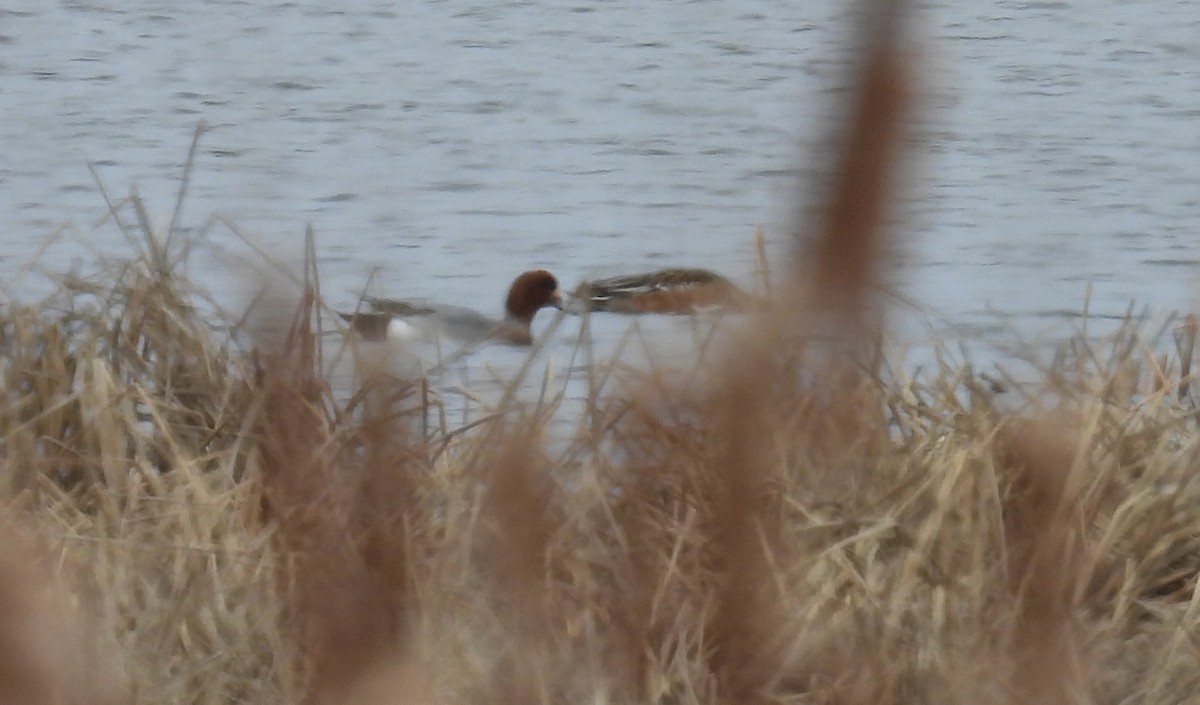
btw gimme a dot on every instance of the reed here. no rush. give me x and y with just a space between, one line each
196 515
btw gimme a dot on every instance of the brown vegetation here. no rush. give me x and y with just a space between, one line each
206 521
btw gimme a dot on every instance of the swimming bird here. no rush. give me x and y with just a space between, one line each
678 290
412 320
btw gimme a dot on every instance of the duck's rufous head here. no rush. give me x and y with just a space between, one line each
531 292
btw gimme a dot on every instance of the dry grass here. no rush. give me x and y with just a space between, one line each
196 520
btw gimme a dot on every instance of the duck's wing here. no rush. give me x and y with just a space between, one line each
418 320
661 291
398 307
632 284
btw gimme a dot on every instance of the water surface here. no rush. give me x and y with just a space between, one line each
448 144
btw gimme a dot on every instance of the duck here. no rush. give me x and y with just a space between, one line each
393 319
674 290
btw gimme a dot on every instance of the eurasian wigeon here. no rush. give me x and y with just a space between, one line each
661 291
407 320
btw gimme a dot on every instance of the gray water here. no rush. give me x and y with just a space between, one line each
447 145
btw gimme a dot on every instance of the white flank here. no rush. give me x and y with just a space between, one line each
402 330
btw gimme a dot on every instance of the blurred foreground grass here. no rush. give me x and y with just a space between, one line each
192 516
192 521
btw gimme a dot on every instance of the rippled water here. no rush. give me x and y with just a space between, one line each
452 144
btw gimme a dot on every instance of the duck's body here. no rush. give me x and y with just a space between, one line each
393 319
661 291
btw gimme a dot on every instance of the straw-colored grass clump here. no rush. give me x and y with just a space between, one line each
196 515
776 535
